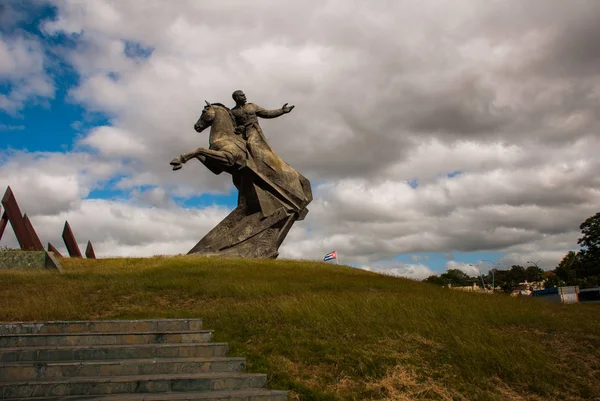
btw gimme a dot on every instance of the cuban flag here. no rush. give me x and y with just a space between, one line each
330 256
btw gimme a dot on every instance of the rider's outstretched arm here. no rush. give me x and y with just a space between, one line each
264 113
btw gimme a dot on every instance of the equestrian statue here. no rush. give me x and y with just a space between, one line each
271 194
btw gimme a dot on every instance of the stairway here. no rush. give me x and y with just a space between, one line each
171 359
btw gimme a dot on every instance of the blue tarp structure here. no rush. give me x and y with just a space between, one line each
546 291
548 294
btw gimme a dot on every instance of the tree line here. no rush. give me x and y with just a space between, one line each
580 268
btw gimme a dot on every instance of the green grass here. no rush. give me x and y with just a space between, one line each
330 332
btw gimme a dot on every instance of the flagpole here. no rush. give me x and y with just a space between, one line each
337 260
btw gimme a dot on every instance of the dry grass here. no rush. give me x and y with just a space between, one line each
329 332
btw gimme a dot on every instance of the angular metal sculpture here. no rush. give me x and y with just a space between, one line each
35 240
13 214
70 242
89 251
52 249
3 222
272 195
26 234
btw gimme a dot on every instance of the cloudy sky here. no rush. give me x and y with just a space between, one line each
435 134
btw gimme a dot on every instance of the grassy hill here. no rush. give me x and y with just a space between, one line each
330 332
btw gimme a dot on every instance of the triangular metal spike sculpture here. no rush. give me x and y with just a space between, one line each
89 251
52 249
70 242
13 214
3 222
35 240
26 234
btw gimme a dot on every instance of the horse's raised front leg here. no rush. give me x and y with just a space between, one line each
225 159
180 160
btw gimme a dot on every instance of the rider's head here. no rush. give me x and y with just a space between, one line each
239 97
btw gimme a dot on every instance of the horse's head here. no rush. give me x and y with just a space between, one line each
206 118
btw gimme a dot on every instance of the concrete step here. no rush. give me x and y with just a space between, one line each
106 352
132 384
233 395
109 338
100 326
12 371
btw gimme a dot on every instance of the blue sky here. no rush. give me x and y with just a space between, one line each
412 170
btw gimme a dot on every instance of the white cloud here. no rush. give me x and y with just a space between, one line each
51 183
469 268
412 271
22 67
114 142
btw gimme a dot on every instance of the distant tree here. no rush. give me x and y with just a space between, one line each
590 239
552 280
566 274
433 279
534 273
582 268
501 279
566 270
458 277
588 268
516 275
569 261
588 273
